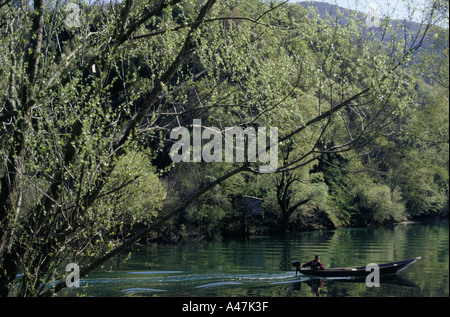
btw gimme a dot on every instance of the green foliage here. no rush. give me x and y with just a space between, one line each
137 194
83 107
303 71
376 204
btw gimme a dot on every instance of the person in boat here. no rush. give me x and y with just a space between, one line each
315 264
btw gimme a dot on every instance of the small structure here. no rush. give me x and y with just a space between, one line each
252 205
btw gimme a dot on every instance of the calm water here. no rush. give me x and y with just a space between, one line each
262 266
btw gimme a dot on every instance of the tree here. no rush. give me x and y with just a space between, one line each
284 184
82 95
64 122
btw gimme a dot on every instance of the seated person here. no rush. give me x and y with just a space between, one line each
314 264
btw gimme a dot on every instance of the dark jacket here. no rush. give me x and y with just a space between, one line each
314 264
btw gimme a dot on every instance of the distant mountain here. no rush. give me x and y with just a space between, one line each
324 8
401 28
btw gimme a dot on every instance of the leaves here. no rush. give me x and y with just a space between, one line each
86 111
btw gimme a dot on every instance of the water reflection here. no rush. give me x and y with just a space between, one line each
315 285
319 286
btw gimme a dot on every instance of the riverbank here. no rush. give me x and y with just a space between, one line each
167 235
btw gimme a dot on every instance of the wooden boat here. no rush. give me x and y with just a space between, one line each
356 271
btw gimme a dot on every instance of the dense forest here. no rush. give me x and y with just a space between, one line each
396 172
92 90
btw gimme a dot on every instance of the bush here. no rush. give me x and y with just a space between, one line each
138 194
376 204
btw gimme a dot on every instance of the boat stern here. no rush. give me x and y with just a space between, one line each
297 265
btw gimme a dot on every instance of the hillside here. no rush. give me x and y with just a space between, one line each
406 29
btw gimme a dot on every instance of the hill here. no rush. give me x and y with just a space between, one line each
400 28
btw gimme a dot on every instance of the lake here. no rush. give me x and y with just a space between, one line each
261 266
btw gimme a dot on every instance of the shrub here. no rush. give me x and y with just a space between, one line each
376 204
138 194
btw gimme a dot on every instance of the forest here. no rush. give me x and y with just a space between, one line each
91 91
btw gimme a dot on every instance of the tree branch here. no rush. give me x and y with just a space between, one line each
127 243
226 18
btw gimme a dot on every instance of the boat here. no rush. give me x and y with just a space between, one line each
356 271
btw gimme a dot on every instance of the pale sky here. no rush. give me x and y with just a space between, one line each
396 9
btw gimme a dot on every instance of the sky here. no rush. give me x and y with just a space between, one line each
396 9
